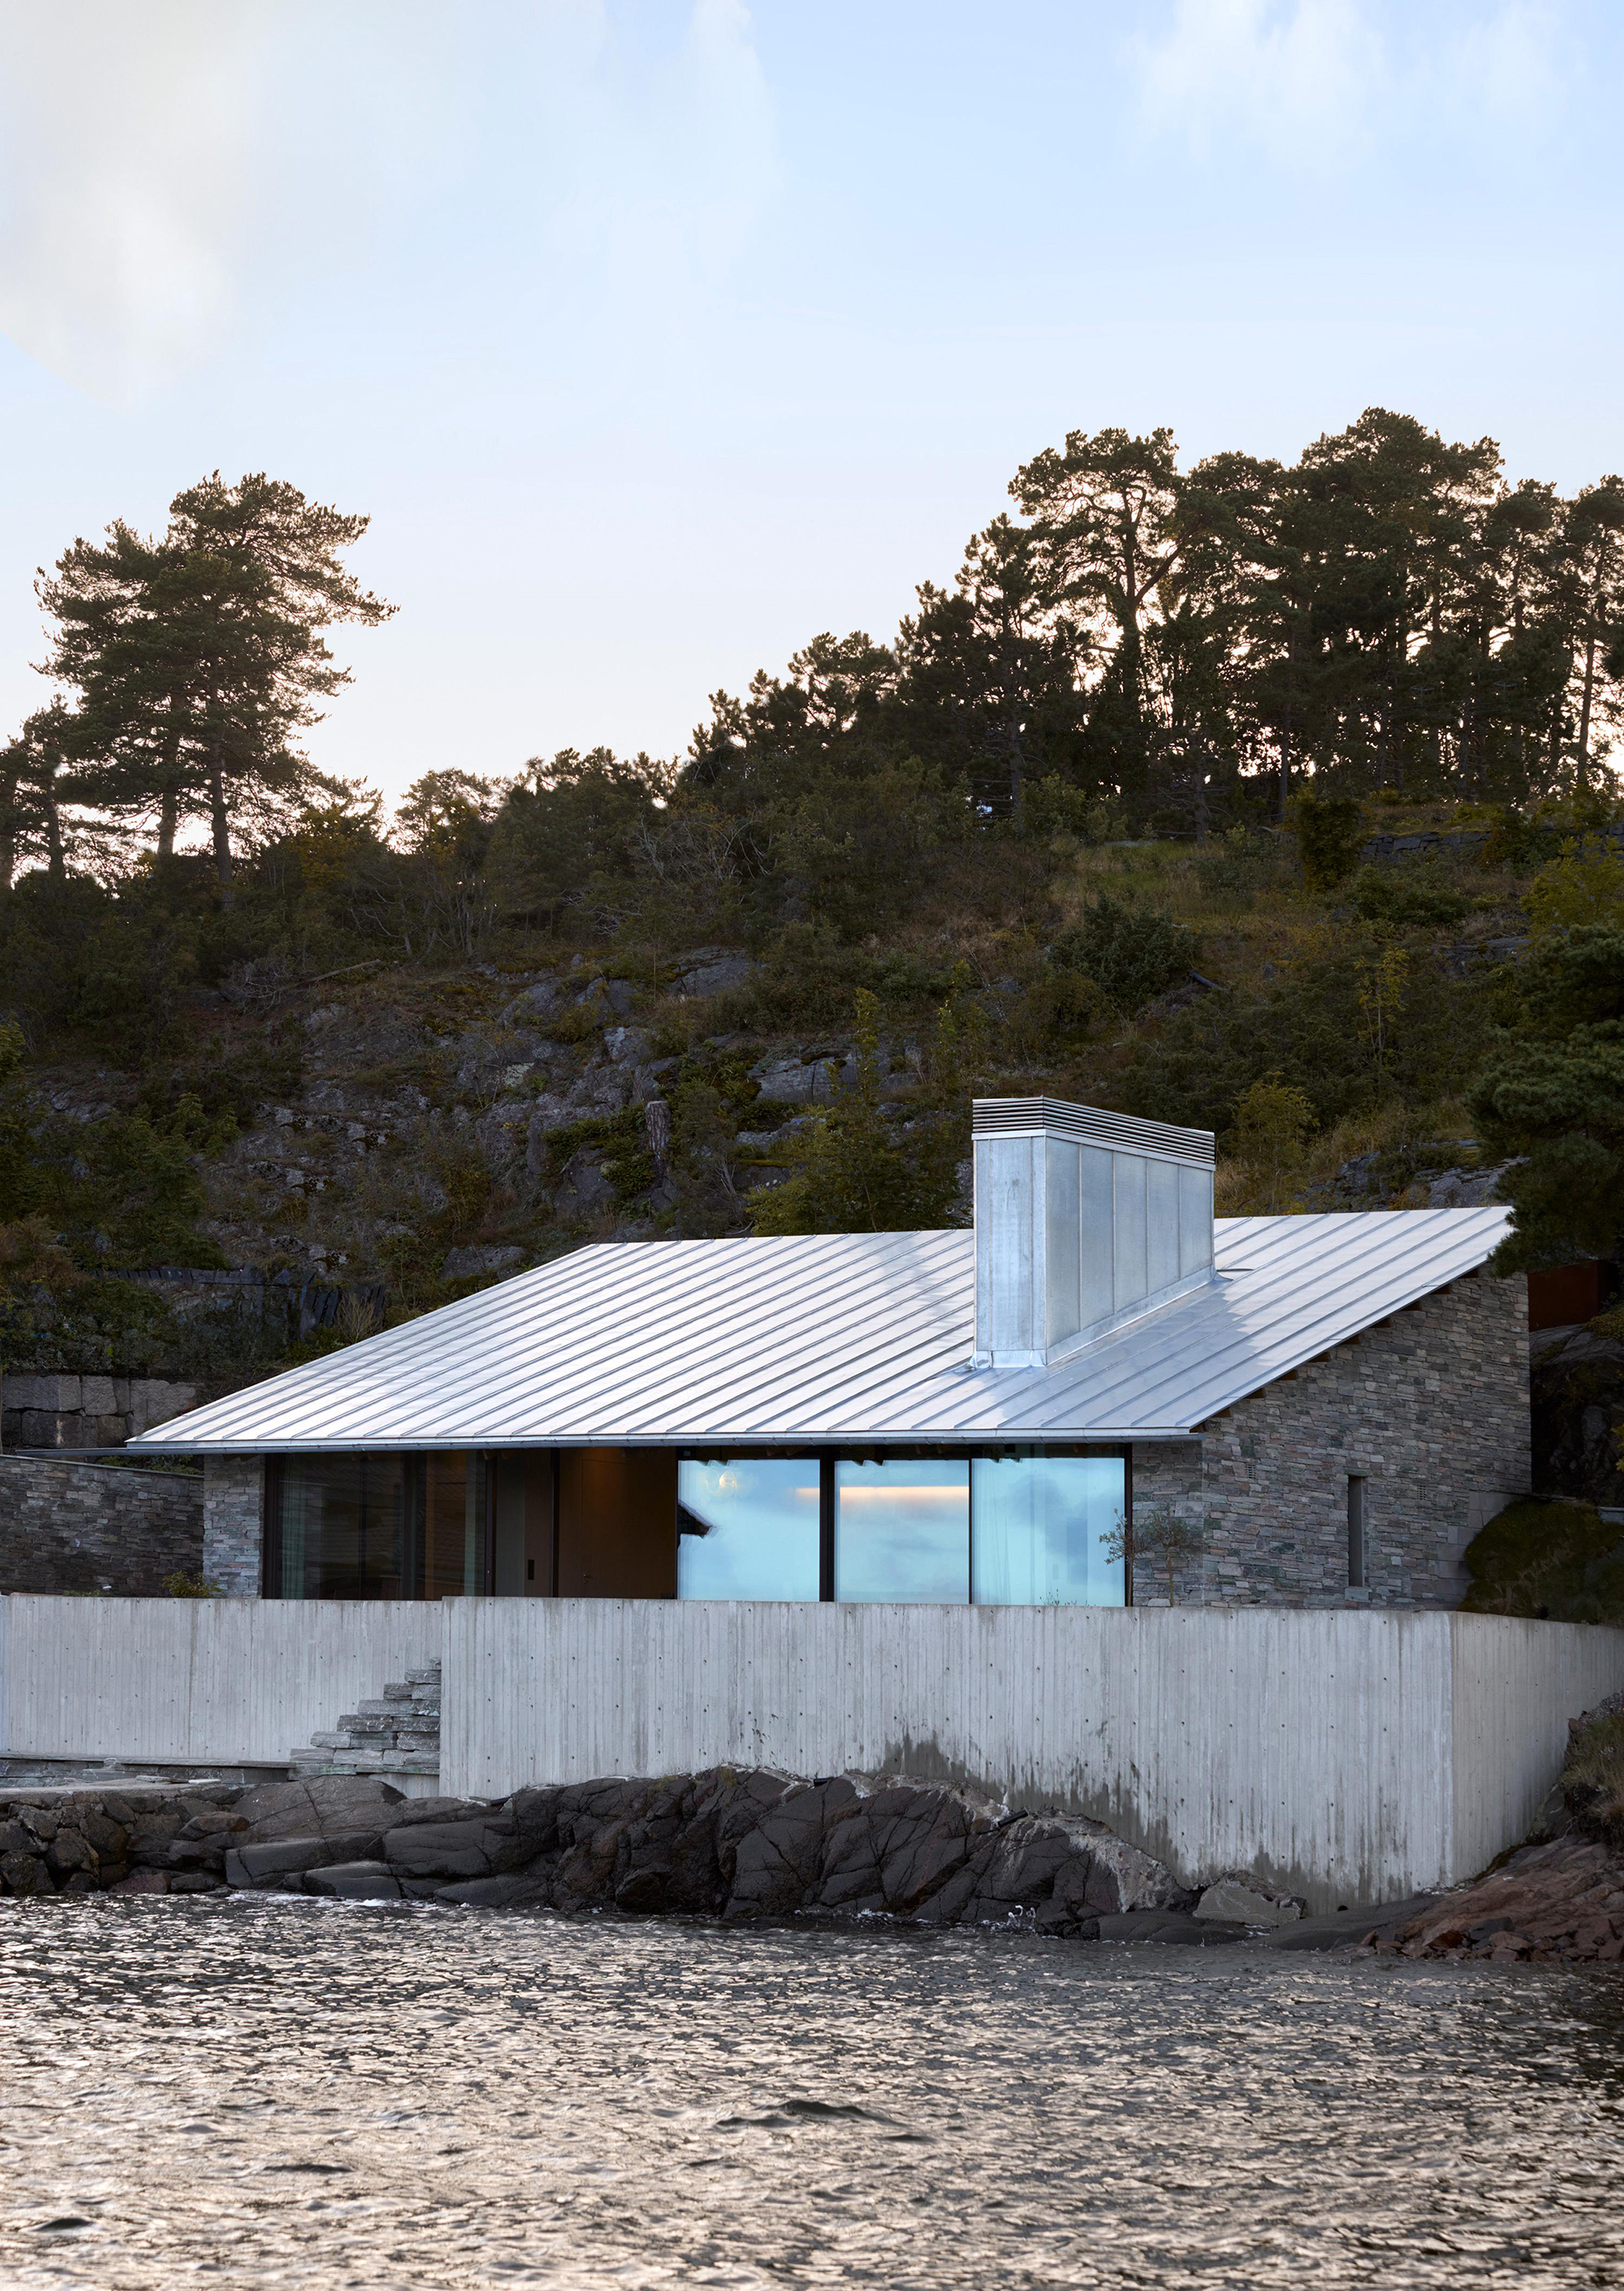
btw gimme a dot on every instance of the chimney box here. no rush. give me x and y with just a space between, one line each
1084 1220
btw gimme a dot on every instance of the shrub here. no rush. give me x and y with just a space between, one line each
1547 1557
1330 835
1415 898
1132 955
1578 887
1593 1779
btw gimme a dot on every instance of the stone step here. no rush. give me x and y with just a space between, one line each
396 1732
308 1765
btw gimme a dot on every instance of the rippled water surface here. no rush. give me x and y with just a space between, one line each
264 2092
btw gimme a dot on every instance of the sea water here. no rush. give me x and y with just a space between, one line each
273 2090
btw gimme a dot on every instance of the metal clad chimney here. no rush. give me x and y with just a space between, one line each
1084 1219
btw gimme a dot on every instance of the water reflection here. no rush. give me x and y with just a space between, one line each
290 2092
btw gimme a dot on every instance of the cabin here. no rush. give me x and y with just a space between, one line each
1327 1407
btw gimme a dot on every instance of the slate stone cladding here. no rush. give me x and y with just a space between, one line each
1430 1408
97 1527
233 1508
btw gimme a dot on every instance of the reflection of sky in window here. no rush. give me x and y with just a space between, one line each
760 1518
901 1530
1040 1527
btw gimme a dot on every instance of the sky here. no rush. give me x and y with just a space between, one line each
655 336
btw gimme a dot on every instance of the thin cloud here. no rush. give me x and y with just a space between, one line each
173 173
1294 78
1311 83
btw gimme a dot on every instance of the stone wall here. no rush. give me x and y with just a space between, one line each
98 1528
1430 1408
86 1412
233 1517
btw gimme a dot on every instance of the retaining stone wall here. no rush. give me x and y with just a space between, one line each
1431 1407
86 1412
233 1512
98 1528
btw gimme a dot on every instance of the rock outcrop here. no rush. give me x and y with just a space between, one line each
1562 1895
719 1844
1563 1898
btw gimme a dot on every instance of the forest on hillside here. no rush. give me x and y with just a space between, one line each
1275 799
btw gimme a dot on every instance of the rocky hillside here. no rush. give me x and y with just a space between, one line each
293 1151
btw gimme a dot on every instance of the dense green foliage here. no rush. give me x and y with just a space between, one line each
1545 1557
1553 1095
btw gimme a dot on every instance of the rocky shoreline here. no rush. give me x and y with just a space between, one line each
1560 1897
742 1845
719 1844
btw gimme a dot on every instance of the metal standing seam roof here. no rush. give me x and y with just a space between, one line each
832 1338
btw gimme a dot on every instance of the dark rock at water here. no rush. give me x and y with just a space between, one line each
723 1843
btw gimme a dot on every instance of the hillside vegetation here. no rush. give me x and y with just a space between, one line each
1273 801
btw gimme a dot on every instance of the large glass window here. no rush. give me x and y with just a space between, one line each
901 1530
378 1527
748 1528
342 1522
1041 1523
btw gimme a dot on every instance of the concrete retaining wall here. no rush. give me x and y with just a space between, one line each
203 1682
1350 1758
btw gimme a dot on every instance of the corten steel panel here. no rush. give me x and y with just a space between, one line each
830 1337
1563 1299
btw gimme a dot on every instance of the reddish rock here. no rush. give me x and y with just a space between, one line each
1563 1900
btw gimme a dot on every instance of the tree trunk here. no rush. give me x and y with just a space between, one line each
1586 696
56 859
222 832
8 832
169 800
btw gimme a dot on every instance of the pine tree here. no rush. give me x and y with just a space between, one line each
197 659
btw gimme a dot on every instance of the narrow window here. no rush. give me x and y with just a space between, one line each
1355 1534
